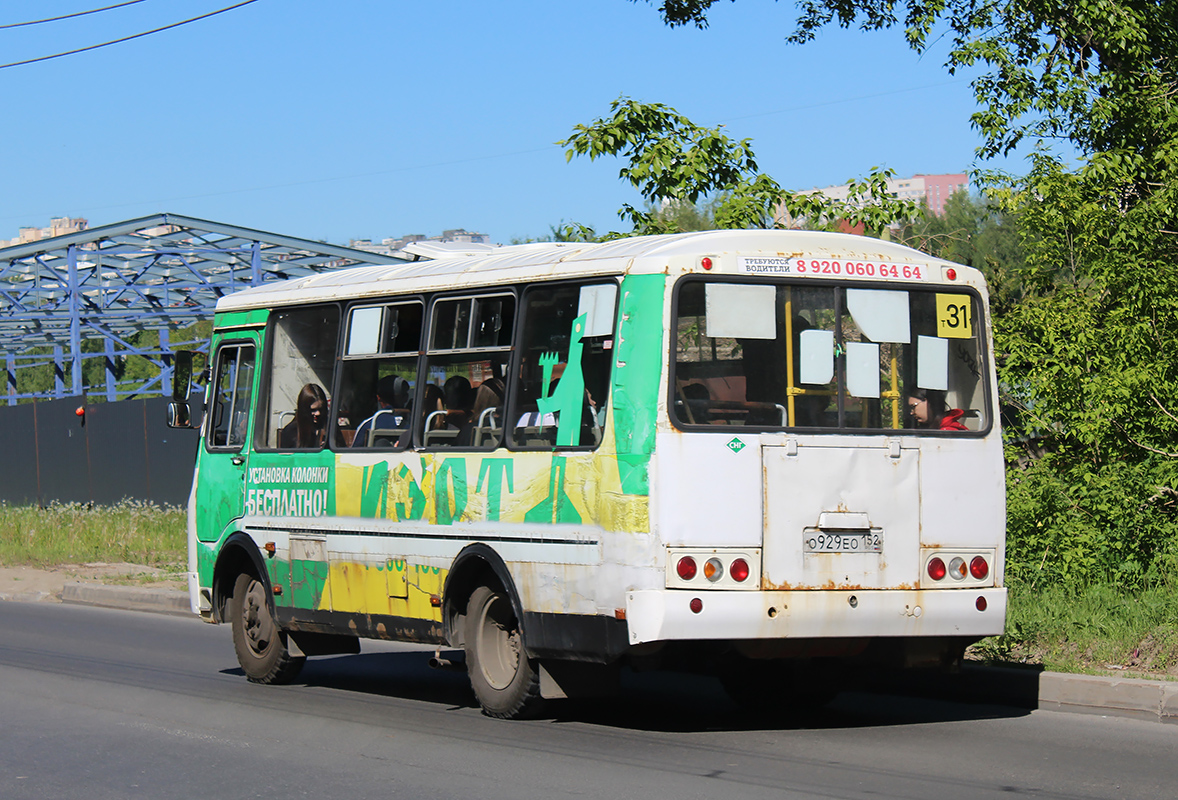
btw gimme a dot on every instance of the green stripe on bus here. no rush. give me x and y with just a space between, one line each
636 377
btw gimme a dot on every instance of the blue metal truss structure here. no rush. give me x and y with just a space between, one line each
162 273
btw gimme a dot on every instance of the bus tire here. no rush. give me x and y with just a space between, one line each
505 681
260 645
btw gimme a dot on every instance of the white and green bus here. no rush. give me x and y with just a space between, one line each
770 454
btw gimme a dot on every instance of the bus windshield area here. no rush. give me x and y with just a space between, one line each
828 357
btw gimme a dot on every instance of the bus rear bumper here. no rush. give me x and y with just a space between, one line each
658 615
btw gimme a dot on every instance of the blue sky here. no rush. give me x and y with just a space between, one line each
371 119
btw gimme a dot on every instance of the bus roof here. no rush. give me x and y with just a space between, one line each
554 260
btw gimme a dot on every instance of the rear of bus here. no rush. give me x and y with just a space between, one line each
828 476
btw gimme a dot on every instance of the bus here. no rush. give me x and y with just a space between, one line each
770 455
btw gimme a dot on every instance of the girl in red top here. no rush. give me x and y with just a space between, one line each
928 410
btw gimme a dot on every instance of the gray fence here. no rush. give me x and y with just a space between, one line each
114 451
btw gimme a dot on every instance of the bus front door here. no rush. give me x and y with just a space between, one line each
220 492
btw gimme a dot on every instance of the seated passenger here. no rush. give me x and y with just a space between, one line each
928 410
392 397
458 397
696 401
309 426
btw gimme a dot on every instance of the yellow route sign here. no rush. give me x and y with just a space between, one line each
954 317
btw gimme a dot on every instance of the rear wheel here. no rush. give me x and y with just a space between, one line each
260 645
505 681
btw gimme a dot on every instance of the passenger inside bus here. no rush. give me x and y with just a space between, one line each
487 413
928 409
392 397
309 426
458 397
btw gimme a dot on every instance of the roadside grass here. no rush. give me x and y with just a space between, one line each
130 531
1096 630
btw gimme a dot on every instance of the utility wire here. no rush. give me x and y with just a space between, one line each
126 38
69 16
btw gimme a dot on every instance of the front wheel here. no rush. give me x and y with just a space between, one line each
260 645
505 681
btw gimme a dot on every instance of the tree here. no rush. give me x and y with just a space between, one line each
675 164
976 231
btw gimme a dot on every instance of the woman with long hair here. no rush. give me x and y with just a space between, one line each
309 427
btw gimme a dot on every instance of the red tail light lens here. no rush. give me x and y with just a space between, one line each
980 604
936 568
979 568
739 570
696 605
686 568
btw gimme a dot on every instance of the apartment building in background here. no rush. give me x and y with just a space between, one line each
58 226
388 247
933 189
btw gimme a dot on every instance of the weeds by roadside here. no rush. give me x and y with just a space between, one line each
130 531
1098 629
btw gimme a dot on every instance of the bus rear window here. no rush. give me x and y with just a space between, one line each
828 357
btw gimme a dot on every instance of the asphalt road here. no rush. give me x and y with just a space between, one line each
96 703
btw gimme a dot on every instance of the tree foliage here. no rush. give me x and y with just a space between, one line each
675 164
1087 326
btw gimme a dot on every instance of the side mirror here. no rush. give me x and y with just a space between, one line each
178 415
181 375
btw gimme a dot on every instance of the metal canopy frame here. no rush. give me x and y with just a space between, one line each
163 273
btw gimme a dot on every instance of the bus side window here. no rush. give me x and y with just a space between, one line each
379 375
562 387
469 347
302 350
231 397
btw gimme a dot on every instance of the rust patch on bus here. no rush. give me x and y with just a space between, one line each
837 587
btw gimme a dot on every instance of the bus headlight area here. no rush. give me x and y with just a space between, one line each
656 615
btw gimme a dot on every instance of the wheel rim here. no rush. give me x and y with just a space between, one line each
256 619
498 643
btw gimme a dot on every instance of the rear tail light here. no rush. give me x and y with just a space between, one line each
936 568
713 569
957 568
739 570
699 568
979 568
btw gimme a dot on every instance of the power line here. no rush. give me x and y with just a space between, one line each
70 16
126 38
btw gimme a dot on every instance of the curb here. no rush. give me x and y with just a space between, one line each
1029 688
130 598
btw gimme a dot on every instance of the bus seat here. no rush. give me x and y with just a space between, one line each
487 431
384 437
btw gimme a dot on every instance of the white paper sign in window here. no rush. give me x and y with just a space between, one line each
932 363
598 302
736 311
862 369
364 335
881 314
816 357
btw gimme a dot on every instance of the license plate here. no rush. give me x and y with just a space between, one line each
842 542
